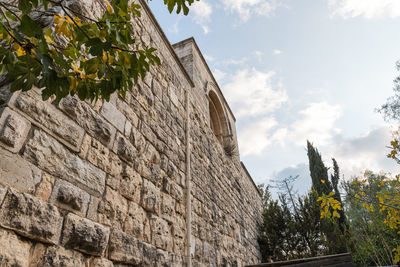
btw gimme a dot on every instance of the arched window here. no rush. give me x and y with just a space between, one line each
218 120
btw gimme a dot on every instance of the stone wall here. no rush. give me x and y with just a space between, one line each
104 184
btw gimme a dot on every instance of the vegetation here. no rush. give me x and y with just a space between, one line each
51 45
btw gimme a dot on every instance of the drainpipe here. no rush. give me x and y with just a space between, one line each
188 176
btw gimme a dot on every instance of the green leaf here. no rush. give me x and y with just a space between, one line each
29 27
25 6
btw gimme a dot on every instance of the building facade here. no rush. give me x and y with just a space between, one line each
142 181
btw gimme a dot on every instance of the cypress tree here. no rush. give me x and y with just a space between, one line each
318 171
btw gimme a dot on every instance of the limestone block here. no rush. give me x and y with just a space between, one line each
31 217
149 254
46 153
128 112
13 250
135 221
113 115
150 197
138 140
100 262
162 258
43 191
87 118
59 256
70 197
92 209
168 208
13 129
125 149
125 248
87 140
3 191
84 235
112 209
161 234
128 128
47 116
173 189
102 157
17 172
157 90
131 184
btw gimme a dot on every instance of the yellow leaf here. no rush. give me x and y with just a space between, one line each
355 182
58 19
48 39
1 36
74 84
323 181
109 8
336 214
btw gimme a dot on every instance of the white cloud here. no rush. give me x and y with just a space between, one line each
208 58
277 52
250 93
253 139
247 8
365 8
316 124
219 75
202 11
368 151
258 55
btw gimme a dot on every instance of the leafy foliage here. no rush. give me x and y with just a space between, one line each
69 53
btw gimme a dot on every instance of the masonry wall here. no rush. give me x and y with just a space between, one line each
103 184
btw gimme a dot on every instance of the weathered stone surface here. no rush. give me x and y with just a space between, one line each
31 217
125 248
150 197
13 129
102 157
130 184
59 256
125 149
173 189
45 152
168 208
18 173
3 191
13 250
135 221
128 112
100 262
149 254
113 115
84 235
161 234
49 117
87 118
87 140
112 209
92 209
70 197
43 190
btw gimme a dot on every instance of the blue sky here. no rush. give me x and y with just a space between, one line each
294 70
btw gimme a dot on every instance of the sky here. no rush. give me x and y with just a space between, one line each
298 70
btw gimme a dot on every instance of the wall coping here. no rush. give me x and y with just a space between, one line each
192 40
165 39
251 178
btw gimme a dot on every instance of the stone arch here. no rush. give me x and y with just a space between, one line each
218 121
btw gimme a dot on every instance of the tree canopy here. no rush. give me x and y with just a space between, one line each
51 45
